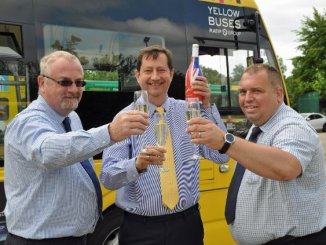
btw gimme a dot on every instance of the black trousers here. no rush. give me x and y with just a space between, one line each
318 238
17 240
185 228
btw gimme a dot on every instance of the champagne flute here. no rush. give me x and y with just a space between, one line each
192 111
161 129
141 103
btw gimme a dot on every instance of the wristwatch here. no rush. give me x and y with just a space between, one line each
229 139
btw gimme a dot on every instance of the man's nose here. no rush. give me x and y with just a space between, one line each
155 75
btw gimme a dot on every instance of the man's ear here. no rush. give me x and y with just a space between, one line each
136 74
280 94
40 81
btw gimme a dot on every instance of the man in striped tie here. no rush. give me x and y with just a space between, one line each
160 207
277 194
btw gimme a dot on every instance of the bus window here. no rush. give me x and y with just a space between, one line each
108 57
4 108
11 36
223 71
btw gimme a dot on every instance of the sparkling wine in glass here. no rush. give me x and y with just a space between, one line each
141 103
161 130
192 111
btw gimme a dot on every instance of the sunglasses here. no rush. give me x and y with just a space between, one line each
67 82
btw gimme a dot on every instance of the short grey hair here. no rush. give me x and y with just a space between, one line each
46 61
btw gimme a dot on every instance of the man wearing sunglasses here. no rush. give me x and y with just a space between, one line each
53 195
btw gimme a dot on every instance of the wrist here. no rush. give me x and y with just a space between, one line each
229 140
205 105
140 169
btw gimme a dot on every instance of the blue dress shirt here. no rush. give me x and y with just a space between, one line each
269 209
48 192
140 193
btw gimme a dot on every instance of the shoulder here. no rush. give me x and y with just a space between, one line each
287 124
174 103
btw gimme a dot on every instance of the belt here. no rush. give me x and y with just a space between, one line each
162 218
23 240
307 239
281 240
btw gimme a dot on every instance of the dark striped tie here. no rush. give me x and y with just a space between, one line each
89 170
231 200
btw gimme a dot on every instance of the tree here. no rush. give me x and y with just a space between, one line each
237 73
309 69
282 65
213 76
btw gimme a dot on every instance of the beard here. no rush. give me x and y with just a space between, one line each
70 104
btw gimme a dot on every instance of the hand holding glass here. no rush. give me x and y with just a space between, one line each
192 111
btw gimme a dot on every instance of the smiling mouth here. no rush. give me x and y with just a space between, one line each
250 108
155 83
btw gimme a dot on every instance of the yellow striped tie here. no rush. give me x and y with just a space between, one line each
169 185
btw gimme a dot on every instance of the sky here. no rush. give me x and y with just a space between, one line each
282 18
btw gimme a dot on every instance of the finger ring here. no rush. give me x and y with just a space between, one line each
199 134
148 158
143 151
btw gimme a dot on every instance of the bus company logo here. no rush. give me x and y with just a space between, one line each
221 1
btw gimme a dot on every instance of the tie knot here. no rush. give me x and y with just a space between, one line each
66 124
254 134
160 109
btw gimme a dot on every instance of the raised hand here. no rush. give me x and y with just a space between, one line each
128 123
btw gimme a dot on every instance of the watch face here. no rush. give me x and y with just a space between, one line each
229 138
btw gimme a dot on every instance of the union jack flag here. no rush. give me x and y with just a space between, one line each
191 75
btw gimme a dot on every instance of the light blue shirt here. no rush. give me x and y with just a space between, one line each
140 193
49 194
268 209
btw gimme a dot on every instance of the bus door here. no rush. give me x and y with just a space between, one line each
230 35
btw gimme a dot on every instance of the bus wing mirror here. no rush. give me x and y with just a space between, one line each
254 60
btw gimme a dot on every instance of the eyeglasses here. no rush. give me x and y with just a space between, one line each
67 82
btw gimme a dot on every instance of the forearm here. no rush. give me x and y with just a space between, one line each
115 175
264 160
52 150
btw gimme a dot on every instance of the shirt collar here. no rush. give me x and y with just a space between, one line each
165 105
50 110
271 121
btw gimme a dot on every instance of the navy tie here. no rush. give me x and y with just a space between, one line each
231 200
89 170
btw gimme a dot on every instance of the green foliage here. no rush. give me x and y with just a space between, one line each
282 65
237 73
101 75
309 72
212 76
106 67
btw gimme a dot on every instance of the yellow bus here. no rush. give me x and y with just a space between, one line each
106 36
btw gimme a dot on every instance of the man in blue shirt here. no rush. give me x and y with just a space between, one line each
51 199
281 197
134 173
